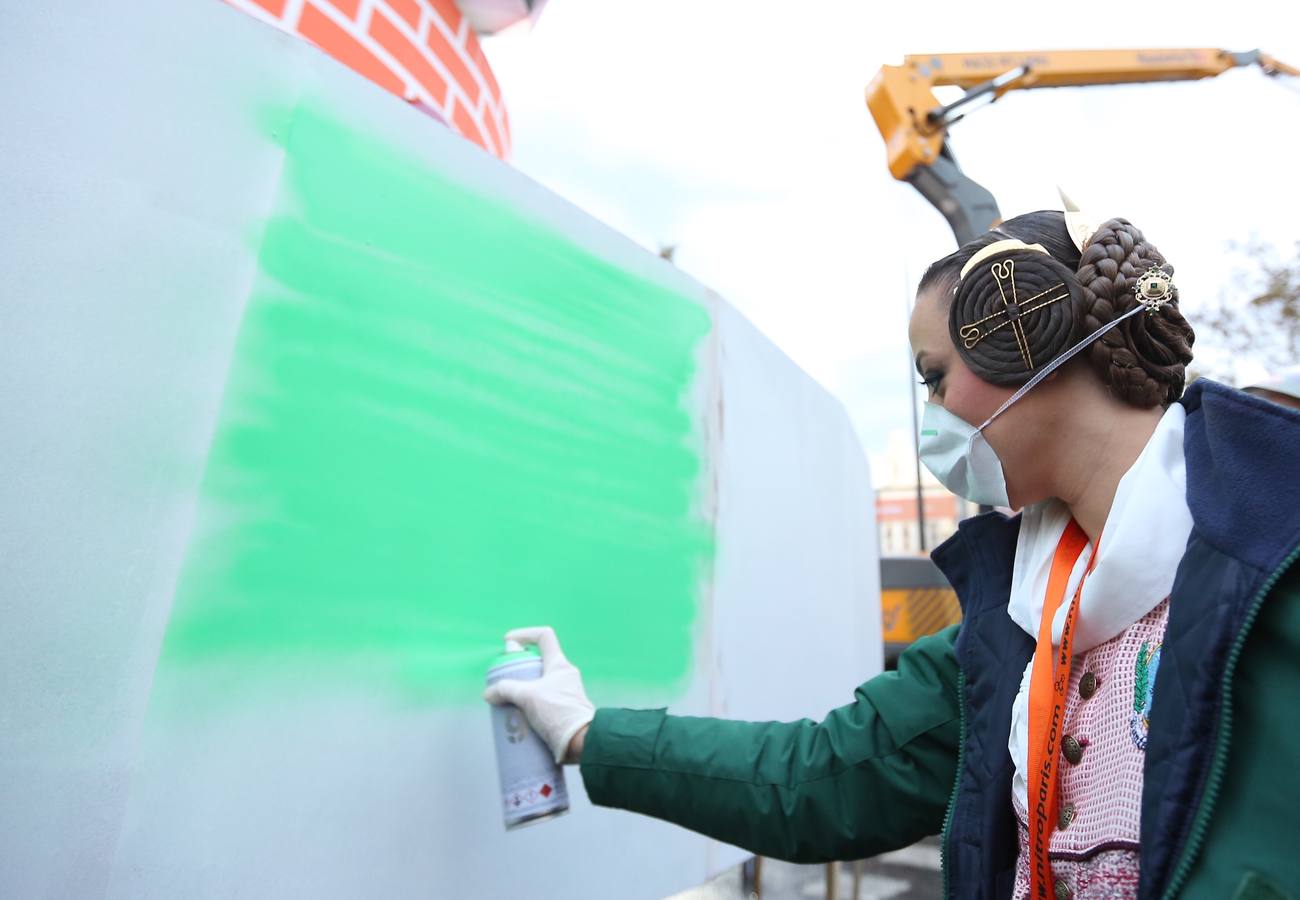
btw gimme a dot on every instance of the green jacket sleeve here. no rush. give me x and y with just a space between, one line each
872 776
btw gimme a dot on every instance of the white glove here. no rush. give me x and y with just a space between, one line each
555 705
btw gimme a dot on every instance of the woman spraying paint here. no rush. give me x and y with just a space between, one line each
1108 720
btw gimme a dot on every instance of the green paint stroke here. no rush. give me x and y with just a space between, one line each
443 420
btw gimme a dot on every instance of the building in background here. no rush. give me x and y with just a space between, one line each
425 51
915 598
898 523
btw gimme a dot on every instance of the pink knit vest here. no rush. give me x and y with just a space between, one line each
1096 854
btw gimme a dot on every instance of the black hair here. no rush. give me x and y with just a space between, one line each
1010 317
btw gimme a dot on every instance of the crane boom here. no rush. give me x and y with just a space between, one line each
914 123
1064 68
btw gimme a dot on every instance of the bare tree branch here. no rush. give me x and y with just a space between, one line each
1257 318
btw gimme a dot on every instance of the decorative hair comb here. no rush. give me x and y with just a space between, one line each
994 249
1080 225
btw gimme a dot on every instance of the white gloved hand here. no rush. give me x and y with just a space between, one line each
555 705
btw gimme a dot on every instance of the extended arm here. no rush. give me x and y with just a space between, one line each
872 776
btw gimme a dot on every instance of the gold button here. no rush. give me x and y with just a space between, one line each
1065 817
1062 890
1072 748
1087 685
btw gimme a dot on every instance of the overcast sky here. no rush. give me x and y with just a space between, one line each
739 132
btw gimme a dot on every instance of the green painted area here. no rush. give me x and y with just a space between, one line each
443 420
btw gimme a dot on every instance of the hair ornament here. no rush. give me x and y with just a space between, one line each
1080 226
1013 311
994 249
1155 288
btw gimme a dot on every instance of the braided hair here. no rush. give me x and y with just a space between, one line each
1020 308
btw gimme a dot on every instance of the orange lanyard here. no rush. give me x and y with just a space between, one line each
1047 686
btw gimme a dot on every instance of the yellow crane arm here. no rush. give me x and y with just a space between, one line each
914 123
1063 68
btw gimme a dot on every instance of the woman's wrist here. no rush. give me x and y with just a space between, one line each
576 743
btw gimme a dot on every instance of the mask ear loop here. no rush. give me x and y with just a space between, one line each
1060 361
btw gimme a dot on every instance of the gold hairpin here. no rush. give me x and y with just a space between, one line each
971 335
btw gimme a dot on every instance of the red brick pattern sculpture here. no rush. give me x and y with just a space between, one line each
421 50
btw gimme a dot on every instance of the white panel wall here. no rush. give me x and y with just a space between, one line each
131 178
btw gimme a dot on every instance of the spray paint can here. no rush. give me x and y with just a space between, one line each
532 785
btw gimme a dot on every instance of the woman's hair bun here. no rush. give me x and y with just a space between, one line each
1143 359
1013 313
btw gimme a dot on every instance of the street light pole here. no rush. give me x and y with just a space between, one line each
916 435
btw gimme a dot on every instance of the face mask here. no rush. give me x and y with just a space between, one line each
955 451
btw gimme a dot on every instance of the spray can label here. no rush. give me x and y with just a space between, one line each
532 785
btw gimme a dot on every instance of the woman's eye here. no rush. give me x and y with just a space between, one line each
931 380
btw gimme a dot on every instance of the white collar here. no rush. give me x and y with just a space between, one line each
1145 536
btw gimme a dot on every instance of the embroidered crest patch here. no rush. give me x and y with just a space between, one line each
1144 682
